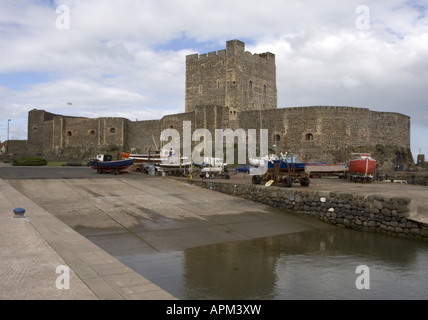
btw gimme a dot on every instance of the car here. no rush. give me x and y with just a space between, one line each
243 168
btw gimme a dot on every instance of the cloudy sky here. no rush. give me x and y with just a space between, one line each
127 58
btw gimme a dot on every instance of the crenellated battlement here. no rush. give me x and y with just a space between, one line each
203 56
233 78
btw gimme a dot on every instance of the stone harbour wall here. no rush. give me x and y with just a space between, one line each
372 213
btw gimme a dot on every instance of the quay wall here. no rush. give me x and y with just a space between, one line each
372 213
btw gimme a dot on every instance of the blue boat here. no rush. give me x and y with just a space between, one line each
286 164
104 164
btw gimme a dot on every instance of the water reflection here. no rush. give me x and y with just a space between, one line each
318 264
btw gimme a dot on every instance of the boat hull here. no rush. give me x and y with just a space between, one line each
326 168
365 166
142 158
110 165
285 166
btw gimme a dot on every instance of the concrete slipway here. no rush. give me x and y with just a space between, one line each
155 214
33 247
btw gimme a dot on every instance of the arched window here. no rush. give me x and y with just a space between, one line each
250 86
112 130
69 133
91 132
309 137
264 89
277 138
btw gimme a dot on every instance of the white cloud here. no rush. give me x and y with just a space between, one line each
109 62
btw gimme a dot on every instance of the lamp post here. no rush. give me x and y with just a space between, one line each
7 145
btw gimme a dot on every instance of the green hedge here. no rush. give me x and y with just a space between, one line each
30 161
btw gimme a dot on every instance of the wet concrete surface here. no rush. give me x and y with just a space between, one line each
155 214
168 230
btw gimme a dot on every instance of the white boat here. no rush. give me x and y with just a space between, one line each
171 159
261 160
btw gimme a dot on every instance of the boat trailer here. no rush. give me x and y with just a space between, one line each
357 177
286 178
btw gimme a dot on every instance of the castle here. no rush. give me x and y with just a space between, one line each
232 89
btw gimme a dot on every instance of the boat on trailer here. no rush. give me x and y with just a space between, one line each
361 167
322 169
139 158
104 163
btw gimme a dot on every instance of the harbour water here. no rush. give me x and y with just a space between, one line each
315 264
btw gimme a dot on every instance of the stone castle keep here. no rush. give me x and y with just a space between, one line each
232 89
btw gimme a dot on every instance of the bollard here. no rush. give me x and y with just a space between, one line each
19 213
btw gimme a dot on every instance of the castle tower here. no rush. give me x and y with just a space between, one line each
231 78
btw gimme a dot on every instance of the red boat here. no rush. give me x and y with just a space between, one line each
361 167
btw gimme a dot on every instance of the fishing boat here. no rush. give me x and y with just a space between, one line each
286 163
362 163
282 163
139 158
362 167
256 162
104 163
324 169
171 159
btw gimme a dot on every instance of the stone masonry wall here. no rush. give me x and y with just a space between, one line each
318 134
330 134
374 213
233 78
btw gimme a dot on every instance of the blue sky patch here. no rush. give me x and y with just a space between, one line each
21 81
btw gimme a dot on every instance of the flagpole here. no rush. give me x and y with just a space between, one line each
69 104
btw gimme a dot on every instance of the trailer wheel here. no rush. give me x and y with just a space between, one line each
287 182
99 171
256 179
226 176
114 171
305 182
207 175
